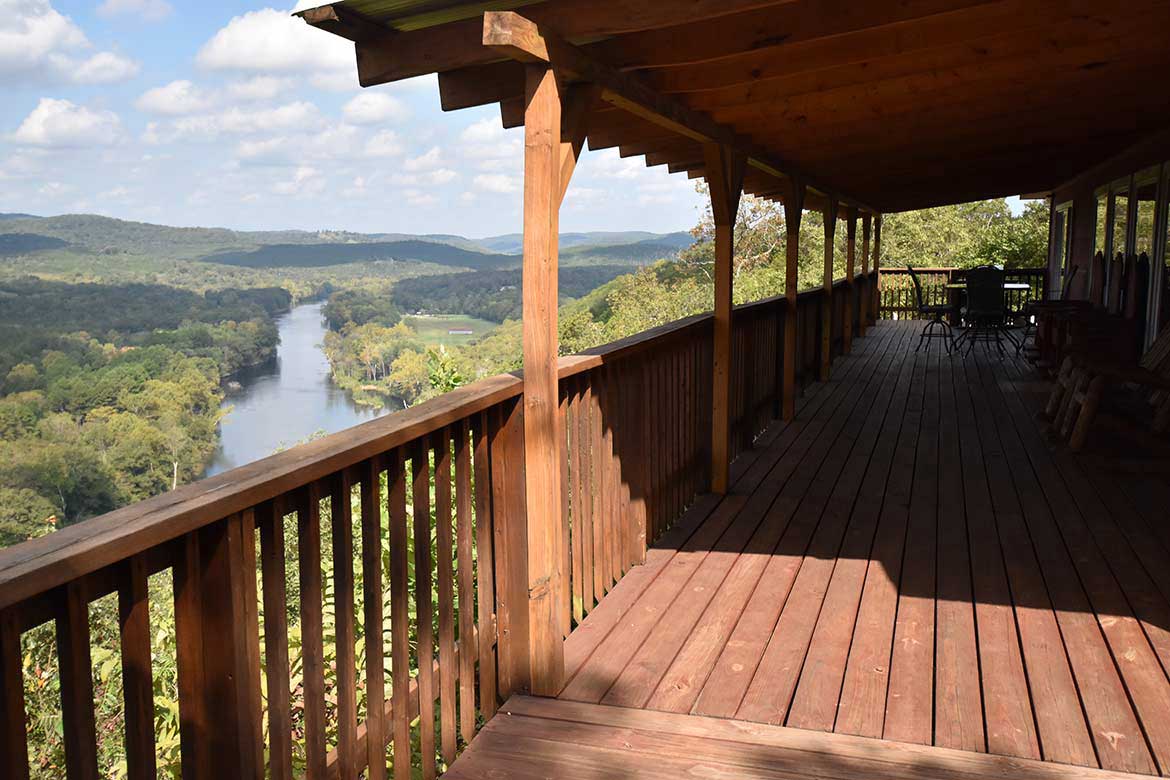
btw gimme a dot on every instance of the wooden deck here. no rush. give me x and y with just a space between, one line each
907 560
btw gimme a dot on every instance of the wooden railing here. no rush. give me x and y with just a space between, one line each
897 299
414 523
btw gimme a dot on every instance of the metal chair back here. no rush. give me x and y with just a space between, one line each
985 293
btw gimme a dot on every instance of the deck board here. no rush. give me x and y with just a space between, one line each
545 738
910 560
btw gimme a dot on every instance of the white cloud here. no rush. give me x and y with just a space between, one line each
429 160
300 115
492 148
148 10
273 42
175 99
384 144
259 87
442 176
40 44
306 181
420 198
102 68
496 182
62 124
370 108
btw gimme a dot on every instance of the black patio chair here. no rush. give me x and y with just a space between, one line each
985 307
937 327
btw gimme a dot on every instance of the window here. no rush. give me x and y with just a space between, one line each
1118 242
1061 245
1102 201
1161 275
1145 204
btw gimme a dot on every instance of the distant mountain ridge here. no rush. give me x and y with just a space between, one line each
91 233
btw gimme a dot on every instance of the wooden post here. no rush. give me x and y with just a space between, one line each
544 159
850 264
875 308
830 220
724 171
793 209
863 304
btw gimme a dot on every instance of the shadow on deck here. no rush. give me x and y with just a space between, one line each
908 560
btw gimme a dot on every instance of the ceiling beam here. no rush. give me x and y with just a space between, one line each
400 54
519 38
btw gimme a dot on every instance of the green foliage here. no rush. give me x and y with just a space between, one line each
360 307
442 370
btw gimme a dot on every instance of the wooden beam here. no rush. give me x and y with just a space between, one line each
725 171
875 306
402 55
574 126
863 304
850 265
343 21
793 211
519 38
832 207
543 434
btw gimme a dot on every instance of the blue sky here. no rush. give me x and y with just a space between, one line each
236 115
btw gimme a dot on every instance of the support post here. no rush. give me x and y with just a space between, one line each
875 308
724 171
830 220
793 210
554 134
850 264
863 304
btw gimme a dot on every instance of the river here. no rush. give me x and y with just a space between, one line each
286 400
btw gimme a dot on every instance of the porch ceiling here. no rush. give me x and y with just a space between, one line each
897 105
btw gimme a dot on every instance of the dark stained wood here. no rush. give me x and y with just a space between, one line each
466 581
444 555
137 676
193 716
13 734
420 481
312 643
793 208
77 702
341 498
272 552
400 615
484 574
374 620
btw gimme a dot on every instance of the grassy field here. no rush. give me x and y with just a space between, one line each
435 329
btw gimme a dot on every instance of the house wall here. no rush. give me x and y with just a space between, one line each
1114 182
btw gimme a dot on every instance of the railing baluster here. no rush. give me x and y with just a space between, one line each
312 646
372 611
576 509
193 720
466 581
137 676
484 571
421 488
13 733
343 608
271 524
446 595
77 702
564 599
400 615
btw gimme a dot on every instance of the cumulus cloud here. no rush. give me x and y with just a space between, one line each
259 87
429 160
490 147
370 108
306 181
496 182
148 10
273 42
41 44
384 144
300 115
63 124
178 98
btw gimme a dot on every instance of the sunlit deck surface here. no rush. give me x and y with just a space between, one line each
908 560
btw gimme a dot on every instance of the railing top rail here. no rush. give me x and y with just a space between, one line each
39 565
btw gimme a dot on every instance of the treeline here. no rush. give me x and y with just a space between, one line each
121 309
491 295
